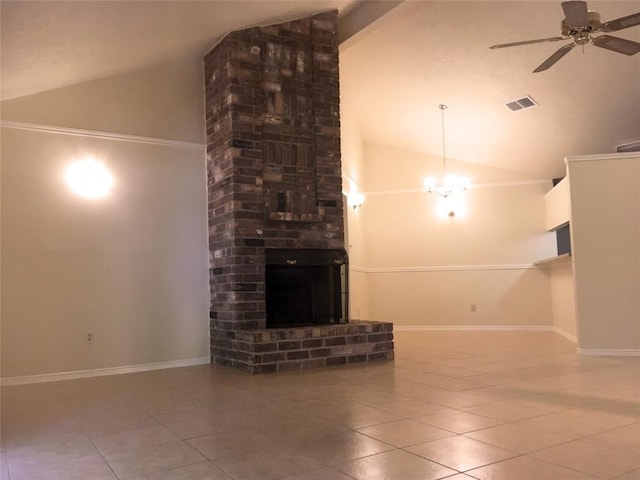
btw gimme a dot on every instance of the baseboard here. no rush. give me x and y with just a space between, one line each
477 328
613 352
568 336
101 372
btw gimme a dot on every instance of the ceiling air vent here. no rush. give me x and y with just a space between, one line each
521 103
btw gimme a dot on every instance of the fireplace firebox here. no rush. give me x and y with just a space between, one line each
306 287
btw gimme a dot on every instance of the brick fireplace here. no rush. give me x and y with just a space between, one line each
278 268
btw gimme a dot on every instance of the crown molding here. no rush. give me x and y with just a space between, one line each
34 127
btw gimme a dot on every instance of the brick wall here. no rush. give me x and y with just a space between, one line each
273 163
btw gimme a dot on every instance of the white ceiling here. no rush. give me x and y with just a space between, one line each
394 74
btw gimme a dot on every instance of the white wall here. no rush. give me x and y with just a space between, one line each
605 237
132 267
426 270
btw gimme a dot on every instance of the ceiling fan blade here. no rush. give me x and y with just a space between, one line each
616 44
576 13
620 23
527 42
549 62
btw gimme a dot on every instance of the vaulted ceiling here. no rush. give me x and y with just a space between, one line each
395 72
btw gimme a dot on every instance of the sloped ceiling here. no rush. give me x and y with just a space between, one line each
428 53
55 43
394 74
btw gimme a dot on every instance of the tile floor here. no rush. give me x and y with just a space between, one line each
455 405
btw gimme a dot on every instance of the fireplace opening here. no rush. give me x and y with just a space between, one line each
306 287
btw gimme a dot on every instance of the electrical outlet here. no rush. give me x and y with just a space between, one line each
89 337
474 307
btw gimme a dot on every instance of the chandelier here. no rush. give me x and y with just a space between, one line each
451 183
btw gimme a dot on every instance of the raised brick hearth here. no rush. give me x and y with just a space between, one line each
274 183
275 350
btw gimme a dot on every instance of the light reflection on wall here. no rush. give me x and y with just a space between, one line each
89 178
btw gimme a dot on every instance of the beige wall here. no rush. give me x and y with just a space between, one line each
164 101
426 270
503 297
605 234
351 150
132 267
563 297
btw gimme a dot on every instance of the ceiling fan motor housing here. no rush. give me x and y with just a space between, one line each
594 24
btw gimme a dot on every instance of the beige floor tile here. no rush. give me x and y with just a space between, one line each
625 438
101 410
322 474
634 475
459 476
342 447
225 444
88 468
458 421
410 407
162 399
207 424
455 399
393 465
413 390
182 414
371 396
607 416
197 471
16 442
30 420
578 423
295 428
402 433
593 458
507 411
134 439
514 436
583 406
153 459
269 464
4 467
526 468
133 418
61 451
461 453
356 416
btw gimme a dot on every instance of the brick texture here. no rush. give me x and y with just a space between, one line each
274 181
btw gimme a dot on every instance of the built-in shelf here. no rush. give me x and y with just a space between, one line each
547 262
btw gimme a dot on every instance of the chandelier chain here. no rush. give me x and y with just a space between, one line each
442 108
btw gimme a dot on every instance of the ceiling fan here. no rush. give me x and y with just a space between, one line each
578 25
